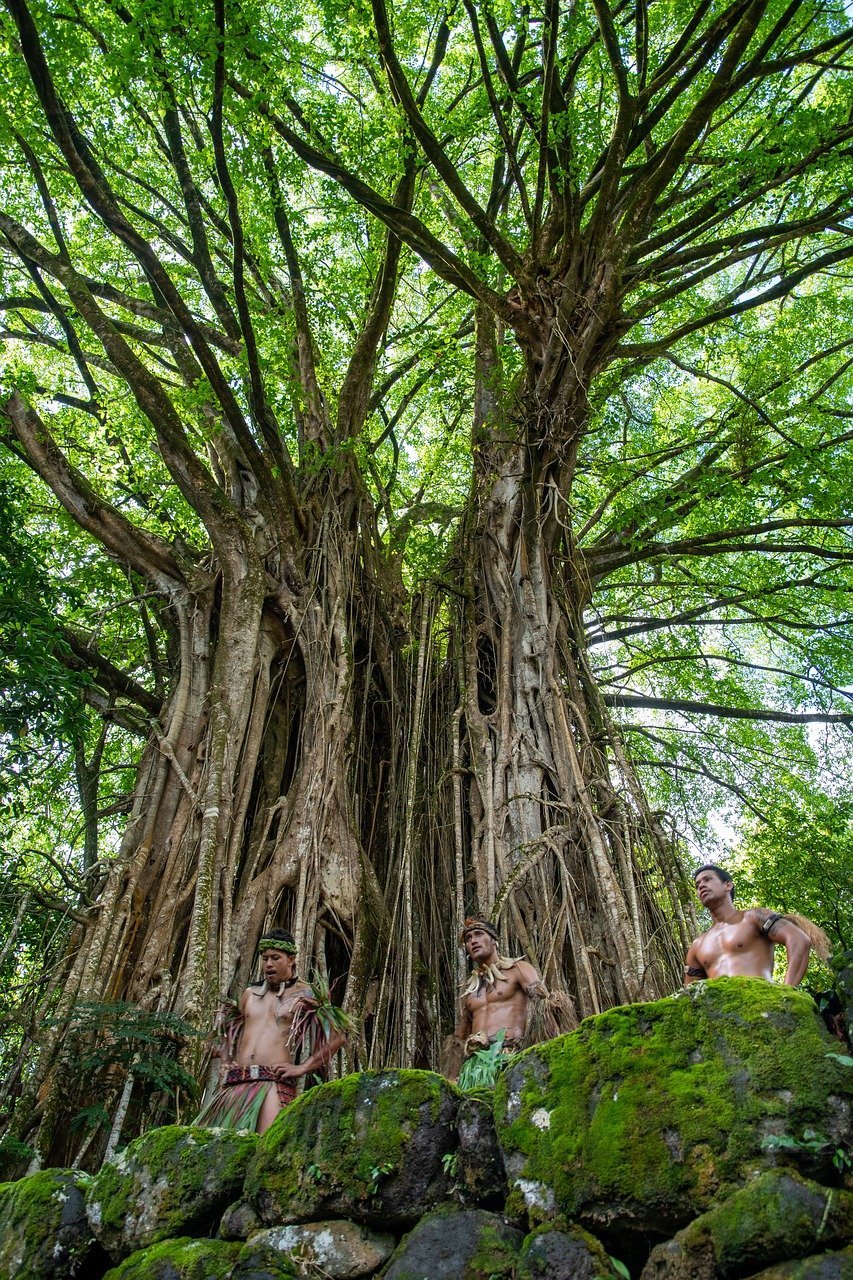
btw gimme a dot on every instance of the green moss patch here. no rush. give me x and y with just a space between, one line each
180 1259
824 1266
642 1115
43 1228
776 1217
170 1182
368 1147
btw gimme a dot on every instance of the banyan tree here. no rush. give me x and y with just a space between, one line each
407 365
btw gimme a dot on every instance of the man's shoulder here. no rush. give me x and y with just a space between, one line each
302 991
759 917
527 975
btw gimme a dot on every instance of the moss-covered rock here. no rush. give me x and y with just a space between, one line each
479 1173
170 1182
340 1250
457 1244
637 1120
823 1266
44 1234
180 1259
268 1264
777 1217
563 1253
368 1148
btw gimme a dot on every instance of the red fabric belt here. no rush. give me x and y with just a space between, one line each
257 1073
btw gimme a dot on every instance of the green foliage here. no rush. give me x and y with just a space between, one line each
480 1070
811 1143
138 1041
693 437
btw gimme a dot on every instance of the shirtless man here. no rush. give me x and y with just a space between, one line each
259 1045
740 943
495 1001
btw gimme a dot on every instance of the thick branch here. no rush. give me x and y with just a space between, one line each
147 554
434 151
730 713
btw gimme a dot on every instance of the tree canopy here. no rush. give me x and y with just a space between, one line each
426 441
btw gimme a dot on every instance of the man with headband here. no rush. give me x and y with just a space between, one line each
263 1038
495 1006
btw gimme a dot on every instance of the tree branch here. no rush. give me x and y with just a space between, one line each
730 713
142 551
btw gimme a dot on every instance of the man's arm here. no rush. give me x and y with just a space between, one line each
529 981
693 969
463 1027
783 932
326 1051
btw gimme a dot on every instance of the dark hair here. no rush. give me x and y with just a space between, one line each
719 872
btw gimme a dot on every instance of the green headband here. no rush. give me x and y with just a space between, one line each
277 944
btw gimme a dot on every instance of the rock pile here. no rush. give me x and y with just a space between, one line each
699 1137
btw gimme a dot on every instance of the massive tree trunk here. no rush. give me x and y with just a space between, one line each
564 852
244 814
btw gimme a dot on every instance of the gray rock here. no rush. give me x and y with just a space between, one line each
568 1253
367 1148
44 1234
171 1182
341 1250
823 1266
239 1221
457 1244
777 1217
632 1124
480 1173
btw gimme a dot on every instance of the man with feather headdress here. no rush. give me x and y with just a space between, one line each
505 1007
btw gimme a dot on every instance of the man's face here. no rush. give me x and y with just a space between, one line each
278 966
711 889
480 945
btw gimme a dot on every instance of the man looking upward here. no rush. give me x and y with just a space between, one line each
740 943
495 1002
262 1041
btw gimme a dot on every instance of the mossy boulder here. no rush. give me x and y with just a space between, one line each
368 1148
457 1244
635 1122
777 1217
563 1253
180 1259
170 1182
44 1234
479 1173
823 1266
338 1249
269 1265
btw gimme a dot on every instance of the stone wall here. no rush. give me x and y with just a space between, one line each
705 1135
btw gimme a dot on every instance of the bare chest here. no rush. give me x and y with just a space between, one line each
496 993
731 940
273 1010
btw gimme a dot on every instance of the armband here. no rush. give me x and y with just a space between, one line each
769 924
